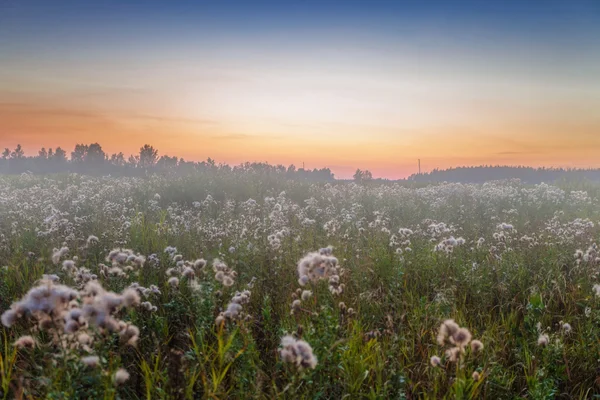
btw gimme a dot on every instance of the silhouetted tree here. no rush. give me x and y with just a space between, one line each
133 160
363 176
118 159
78 154
166 162
94 155
148 156
17 153
60 155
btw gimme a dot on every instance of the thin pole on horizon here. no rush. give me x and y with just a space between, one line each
419 166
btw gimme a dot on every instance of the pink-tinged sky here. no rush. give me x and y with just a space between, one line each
343 85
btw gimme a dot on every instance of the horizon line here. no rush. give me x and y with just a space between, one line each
233 164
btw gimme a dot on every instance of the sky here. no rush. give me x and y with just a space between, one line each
369 84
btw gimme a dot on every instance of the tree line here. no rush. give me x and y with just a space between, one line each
485 173
91 159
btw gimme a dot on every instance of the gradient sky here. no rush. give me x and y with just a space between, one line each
371 84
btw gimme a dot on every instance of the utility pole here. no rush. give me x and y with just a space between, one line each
419 166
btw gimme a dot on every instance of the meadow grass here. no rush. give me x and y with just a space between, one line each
408 259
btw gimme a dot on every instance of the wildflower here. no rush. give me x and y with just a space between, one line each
130 334
306 294
84 338
566 327
188 273
462 337
121 376
200 263
241 298
232 311
296 304
25 342
543 340
50 277
58 254
170 250
250 284
146 305
173 281
223 273
317 265
139 260
131 297
227 281
91 240
335 287
448 328
297 352
453 353
435 361
9 318
304 280
476 346
68 265
476 376
91 361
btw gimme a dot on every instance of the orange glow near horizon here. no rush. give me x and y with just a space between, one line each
449 91
385 150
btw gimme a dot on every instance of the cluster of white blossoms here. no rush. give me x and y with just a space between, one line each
63 212
297 352
183 268
121 262
223 273
74 319
590 256
314 267
298 297
320 265
564 329
457 339
447 245
234 310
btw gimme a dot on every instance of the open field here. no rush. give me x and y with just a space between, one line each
187 287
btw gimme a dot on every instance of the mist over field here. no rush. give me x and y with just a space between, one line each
299 200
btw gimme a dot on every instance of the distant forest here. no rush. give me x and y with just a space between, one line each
92 160
486 173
